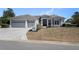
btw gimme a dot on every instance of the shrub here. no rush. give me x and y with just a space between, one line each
4 25
63 25
77 25
70 25
39 27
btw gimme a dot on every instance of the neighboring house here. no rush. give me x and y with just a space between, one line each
31 22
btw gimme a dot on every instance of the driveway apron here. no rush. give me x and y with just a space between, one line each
13 34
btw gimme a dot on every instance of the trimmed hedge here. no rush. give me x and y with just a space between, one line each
39 27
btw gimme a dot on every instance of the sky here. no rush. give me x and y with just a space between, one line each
65 12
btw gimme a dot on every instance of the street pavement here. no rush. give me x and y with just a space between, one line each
24 45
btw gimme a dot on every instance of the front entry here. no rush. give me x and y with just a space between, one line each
44 22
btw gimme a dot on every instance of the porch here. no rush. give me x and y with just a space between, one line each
50 22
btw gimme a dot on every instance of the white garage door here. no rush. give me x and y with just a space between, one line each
18 23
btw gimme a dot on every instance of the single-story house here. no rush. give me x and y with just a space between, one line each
31 22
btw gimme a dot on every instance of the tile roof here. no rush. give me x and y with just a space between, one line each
29 17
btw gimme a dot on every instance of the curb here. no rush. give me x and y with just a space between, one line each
53 42
46 42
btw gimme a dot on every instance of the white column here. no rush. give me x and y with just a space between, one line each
10 23
42 22
35 25
62 21
26 25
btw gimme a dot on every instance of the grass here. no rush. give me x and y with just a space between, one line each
56 34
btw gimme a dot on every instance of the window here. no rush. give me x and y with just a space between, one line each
56 22
44 22
49 22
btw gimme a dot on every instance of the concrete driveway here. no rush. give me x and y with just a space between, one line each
10 39
13 34
24 45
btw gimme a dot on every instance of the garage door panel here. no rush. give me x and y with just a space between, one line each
18 21
18 24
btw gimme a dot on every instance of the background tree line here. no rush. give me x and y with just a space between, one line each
74 19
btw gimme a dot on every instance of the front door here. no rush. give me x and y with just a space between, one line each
44 22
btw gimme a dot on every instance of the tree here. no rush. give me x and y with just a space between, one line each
0 20
69 20
4 20
40 20
8 13
75 18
